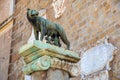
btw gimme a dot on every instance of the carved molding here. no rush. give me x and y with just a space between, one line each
40 56
101 75
97 58
42 63
94 64
71 68
59 7
36 49
45 62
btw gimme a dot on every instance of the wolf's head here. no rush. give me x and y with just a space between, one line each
32 13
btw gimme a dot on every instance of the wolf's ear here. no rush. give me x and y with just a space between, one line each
28 9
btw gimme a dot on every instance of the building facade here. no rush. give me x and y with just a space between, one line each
85 22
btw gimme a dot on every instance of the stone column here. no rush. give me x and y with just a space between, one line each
48 62
40 75
57 74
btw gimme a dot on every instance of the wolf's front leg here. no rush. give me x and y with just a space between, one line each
42 35
43 30
36 33
41 38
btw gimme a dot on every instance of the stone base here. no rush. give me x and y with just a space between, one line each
41 75
56 62
51 74
56 74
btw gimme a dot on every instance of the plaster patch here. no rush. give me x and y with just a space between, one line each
96 58
102 75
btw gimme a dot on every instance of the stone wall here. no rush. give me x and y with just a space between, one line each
6 24
88 21
21 32
5 47
85 22
6 9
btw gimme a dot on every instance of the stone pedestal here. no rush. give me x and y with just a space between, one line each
56 62
39 75
56 74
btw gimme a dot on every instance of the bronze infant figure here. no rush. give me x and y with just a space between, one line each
52 31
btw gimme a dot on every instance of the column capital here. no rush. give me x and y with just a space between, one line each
42 56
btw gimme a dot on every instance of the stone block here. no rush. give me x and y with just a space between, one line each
49 50
40 56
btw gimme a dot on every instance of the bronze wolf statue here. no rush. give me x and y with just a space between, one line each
52 31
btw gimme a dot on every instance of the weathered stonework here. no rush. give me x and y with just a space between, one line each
40 56
95 62
84 21
59 7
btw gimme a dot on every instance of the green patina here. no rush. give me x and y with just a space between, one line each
38 56
52 32
42 63
36 49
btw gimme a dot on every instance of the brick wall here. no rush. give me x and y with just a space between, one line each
88 21
5 46
6 24
21 32
5 9
85 22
